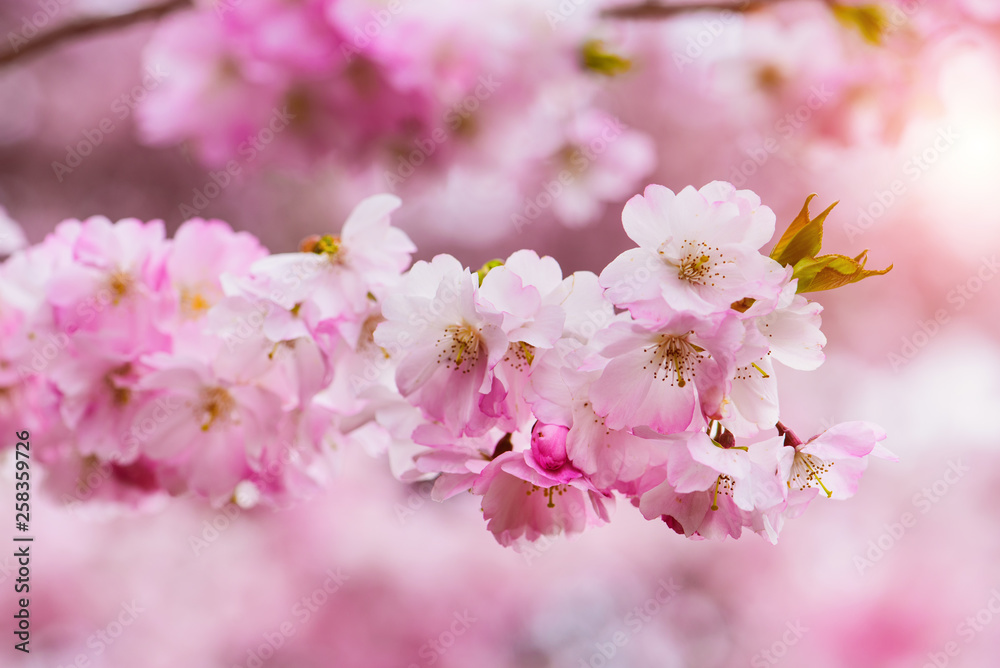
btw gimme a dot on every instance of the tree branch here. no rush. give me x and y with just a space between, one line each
90 26
655 10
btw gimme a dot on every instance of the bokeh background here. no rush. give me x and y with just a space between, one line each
900 122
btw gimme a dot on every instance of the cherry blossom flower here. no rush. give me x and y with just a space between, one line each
450 342
522 503
832 461
698 250
339 273
205 365
786 330
539 308
201 254
601 161
560 396
207 431
664 374
112 288
711 491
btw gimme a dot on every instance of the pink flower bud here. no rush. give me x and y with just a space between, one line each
548 444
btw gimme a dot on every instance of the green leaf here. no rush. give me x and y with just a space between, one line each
598 59
869 20
803 238
485 269
827 272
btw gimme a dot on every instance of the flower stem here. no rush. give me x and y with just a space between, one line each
790 438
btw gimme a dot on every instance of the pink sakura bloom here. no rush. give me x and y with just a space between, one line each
98 401
353 110
32 404
456 462
523 502
338 274
113 290
572 307
286 345
292 364
202 251
32 342
362 369
778 501
792 327
249 323
297 462
390 431
296 370
89 484
361 402
518 288
206 432
30 338
323 298
478 103
790 334
586 308
281 477
664 374
601 162
698 250
710 491
206 89
297 38
109 307
752 402
524 289
276 80
778 66
559 394
832 461
447 343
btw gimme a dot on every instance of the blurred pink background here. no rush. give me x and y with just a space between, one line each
371 573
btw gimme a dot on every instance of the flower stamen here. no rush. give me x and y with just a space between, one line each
465 344
677 357
216 403
806 470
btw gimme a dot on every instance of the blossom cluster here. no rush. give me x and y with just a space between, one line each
203 364
402 96
552 108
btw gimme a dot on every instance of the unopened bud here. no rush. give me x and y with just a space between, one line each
548 444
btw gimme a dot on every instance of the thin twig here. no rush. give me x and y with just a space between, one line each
90 26
655 10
